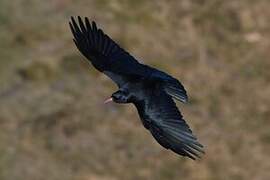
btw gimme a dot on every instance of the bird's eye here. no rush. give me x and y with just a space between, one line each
115 96
120 97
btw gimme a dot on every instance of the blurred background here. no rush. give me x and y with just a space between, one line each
54 125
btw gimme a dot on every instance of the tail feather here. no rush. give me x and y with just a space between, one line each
177 92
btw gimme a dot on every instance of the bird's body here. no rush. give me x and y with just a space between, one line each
149 89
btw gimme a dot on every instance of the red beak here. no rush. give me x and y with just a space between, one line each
108 100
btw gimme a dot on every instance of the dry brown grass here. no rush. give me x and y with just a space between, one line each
54 125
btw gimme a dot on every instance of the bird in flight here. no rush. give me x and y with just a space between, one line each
150 90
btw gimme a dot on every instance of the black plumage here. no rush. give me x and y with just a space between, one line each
149 89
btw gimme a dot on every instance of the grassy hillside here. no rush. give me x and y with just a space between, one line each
54 125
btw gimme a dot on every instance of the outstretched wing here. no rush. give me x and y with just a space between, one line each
105 55
109 58
165 122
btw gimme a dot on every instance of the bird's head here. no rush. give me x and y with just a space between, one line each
119 96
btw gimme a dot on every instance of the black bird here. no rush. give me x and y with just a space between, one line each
149 89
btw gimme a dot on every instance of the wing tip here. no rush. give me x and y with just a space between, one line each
193 148
195 153
184 143
79 20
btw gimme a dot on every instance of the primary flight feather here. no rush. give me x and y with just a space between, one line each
149 89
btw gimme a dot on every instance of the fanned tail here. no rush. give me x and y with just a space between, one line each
176 90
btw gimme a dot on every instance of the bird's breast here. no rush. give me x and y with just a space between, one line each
143 113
